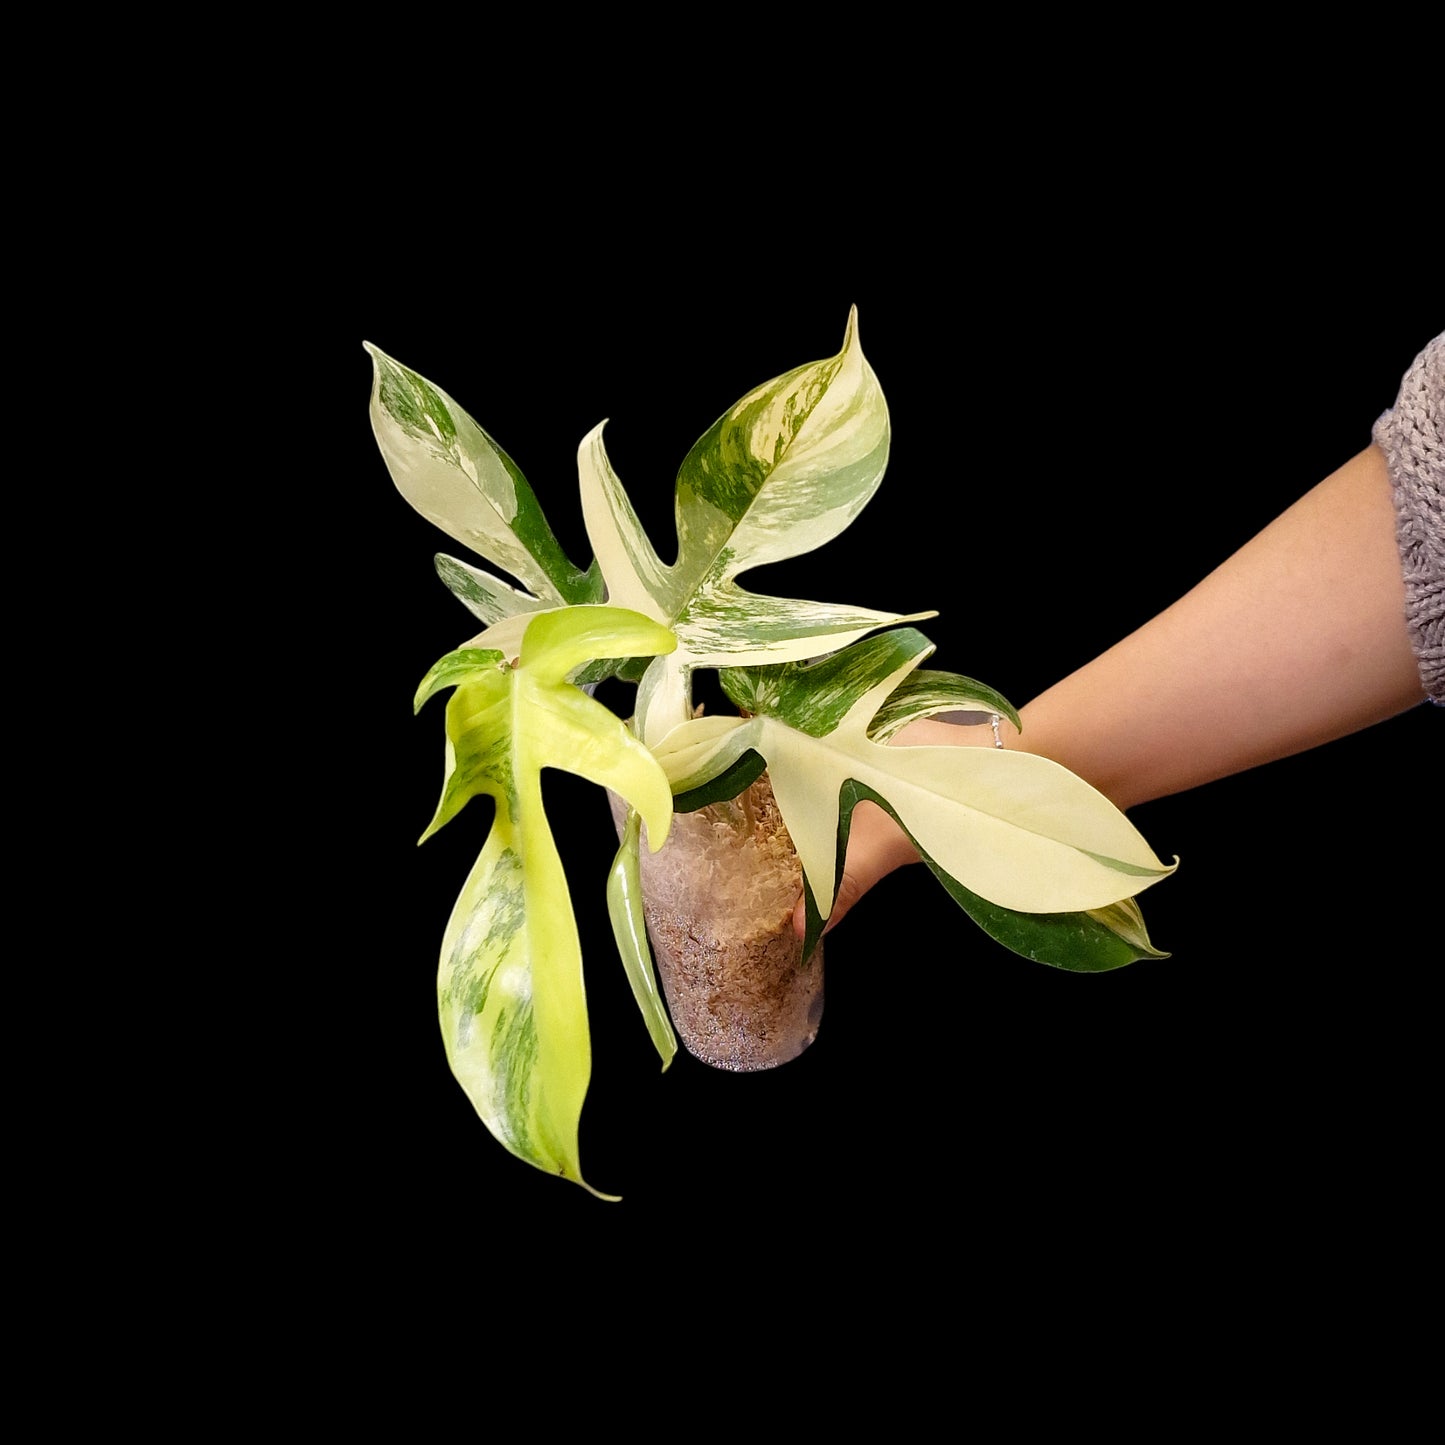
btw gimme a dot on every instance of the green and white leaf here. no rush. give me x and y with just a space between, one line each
1085 941
506 637
924 693
486 597
780 473
458 478
629 931
1019 831
510 988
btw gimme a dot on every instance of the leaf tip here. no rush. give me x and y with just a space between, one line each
597 1193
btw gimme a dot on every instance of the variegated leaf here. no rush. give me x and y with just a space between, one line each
507 634
925 693
510 989
780 473
1093 940
629 931
1020 831
487 598
458 478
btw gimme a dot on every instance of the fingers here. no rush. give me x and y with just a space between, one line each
876 846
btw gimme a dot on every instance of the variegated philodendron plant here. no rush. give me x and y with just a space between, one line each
1040 860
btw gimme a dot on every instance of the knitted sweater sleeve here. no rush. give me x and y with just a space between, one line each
1412 436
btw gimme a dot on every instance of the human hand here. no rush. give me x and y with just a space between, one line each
876 844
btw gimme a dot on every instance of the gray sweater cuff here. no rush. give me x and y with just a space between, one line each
1412 436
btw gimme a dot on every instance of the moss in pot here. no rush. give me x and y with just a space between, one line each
718 900
1037 858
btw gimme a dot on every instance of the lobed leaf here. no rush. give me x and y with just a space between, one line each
458 478
487 598
781 472
1087 941
629 931
1019 832
925 693
510 989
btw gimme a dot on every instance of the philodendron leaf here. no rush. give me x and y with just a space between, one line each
629 930
780 473
484 596
506 611
924 693
1087 941
510 989
1019 831
506 636
458 478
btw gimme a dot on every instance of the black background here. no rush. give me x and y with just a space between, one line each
1090 408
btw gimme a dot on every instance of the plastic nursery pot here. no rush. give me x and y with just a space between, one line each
718 898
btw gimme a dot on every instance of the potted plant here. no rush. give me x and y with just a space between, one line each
764 795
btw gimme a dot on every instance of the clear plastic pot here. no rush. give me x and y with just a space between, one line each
719 902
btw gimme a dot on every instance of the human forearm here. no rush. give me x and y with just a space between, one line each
1297 639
